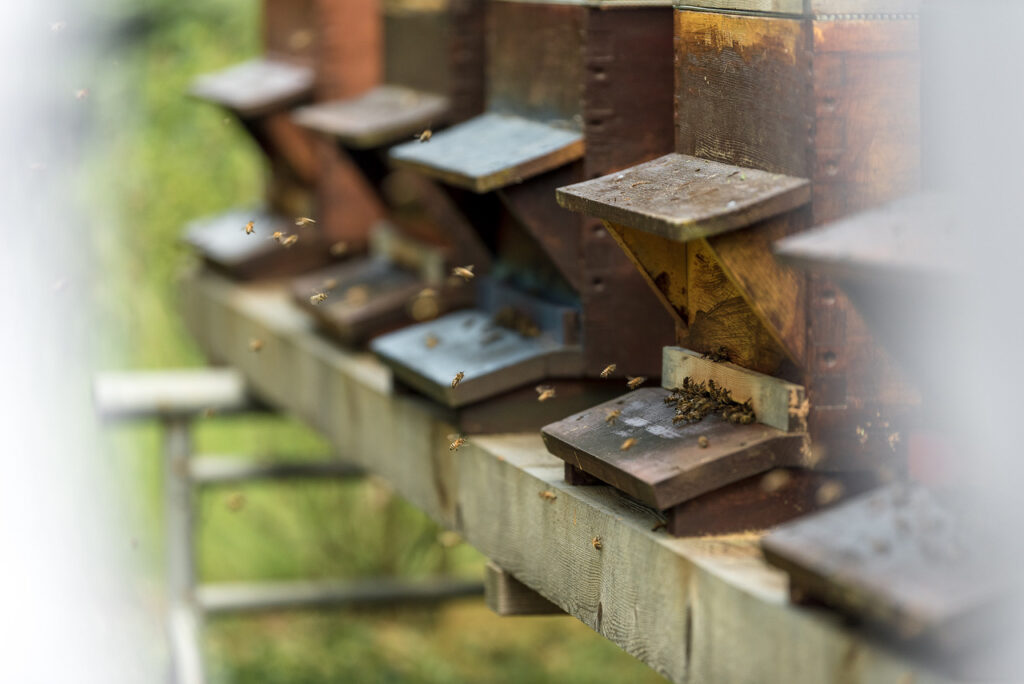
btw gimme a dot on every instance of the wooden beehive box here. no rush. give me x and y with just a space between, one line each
574 90
302 60
788 114
433 59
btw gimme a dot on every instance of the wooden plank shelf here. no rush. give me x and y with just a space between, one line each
491 151
684 198
382 116
223 243
257 87
705 609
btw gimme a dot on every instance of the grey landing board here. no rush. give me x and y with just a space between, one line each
257 87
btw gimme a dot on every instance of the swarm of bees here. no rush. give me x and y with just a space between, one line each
694 401
318 298
464 272
548 495
612 416
304 221
457 379
250 227
628 444
608 370
545 392
255 344
425 136
456 443
597 543
717 356
633 383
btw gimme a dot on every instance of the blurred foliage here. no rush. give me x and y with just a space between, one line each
154 161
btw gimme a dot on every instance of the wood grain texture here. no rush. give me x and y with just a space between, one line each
662 263
686 607
667 465
683 198
491 151
257 87
349 51
385 115
292 144
507 596
776 403
347 202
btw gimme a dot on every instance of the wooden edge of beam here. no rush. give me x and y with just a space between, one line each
506 596
776 402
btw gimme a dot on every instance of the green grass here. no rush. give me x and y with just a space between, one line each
155 161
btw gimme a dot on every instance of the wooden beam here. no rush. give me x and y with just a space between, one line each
507 596
694 609
182 393
223 470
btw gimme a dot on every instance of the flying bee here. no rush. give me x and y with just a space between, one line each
454 446
431 341
318 298
235 502
612 416
548 495
250 227
545 392
597 543
464 272
277 235
702 442
289 240
304 221
255 344
775 480
457 379
628 444
425 136
633 383
339 248
608 370
829 492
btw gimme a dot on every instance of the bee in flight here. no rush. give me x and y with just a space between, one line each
457 379
255 344
545 392
289 240
464 272
304 221
633 383
425 136
459 441
608 370
612 416
431 341
250 227
277 235
318 298
628 444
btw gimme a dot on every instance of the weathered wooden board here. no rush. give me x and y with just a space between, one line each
493 359
683 198
815 7
507 596
222 242
348 48
257 87
900 556
491 151
385 115
776 403
666 464
693 609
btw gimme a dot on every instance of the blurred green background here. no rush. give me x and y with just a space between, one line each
153 161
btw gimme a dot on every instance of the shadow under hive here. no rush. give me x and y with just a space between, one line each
783 120
574 90
417 230
300 62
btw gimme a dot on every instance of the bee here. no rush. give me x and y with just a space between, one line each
612 416
628 444
633 383
457 379
829 492
431 341
318 298
425 136
277 235
255 344
548 495
250 227
545 392
304 221
289 240
235 502
775 480
702 442
597 543
464 272
339 248
608 370
454 446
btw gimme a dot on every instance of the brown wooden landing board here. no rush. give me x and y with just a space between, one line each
683 198
257 87
369 296
222 242
385 115
899 557
491 151
666 466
